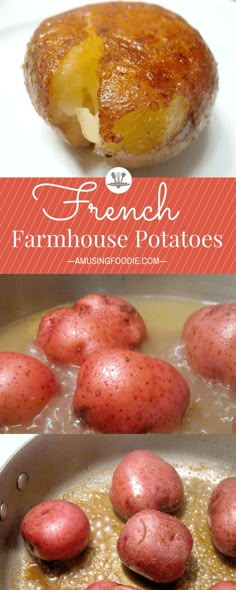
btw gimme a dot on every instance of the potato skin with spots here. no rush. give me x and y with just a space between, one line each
120 391
223 586
210 338
145 481
109 585
222 516
55 530
26 386
69 335
155 545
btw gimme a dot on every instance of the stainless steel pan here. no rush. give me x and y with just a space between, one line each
55 463
25 294
22 295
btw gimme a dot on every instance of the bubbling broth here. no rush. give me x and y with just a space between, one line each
100 560
213 406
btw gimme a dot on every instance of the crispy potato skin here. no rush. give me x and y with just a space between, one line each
69 335
155 545
222 516
120 391
210 337
150 56
55 530
145 481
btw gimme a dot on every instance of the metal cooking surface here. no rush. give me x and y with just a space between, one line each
201 461
24 294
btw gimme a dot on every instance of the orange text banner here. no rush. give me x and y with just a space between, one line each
77 225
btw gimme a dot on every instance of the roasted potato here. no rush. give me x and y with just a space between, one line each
210 337
155 545
26 386
134 79
145 481
69 335
129 392
222 516
55 530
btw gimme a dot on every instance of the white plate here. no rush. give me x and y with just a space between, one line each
31 148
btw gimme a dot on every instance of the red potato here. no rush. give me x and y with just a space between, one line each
55 530
144 481
69 335
155 545
210 337
26 386
223 586
222 516
109 585
120 391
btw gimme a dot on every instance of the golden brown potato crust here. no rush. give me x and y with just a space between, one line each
150 56
49 44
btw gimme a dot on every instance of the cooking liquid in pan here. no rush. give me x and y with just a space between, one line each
100 560
213 406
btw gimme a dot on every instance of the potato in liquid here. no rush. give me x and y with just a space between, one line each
213 406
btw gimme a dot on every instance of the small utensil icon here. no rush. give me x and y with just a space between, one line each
118 179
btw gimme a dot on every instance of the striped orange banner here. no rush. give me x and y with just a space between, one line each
77 225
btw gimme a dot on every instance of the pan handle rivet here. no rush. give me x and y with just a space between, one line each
3 511
22 481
